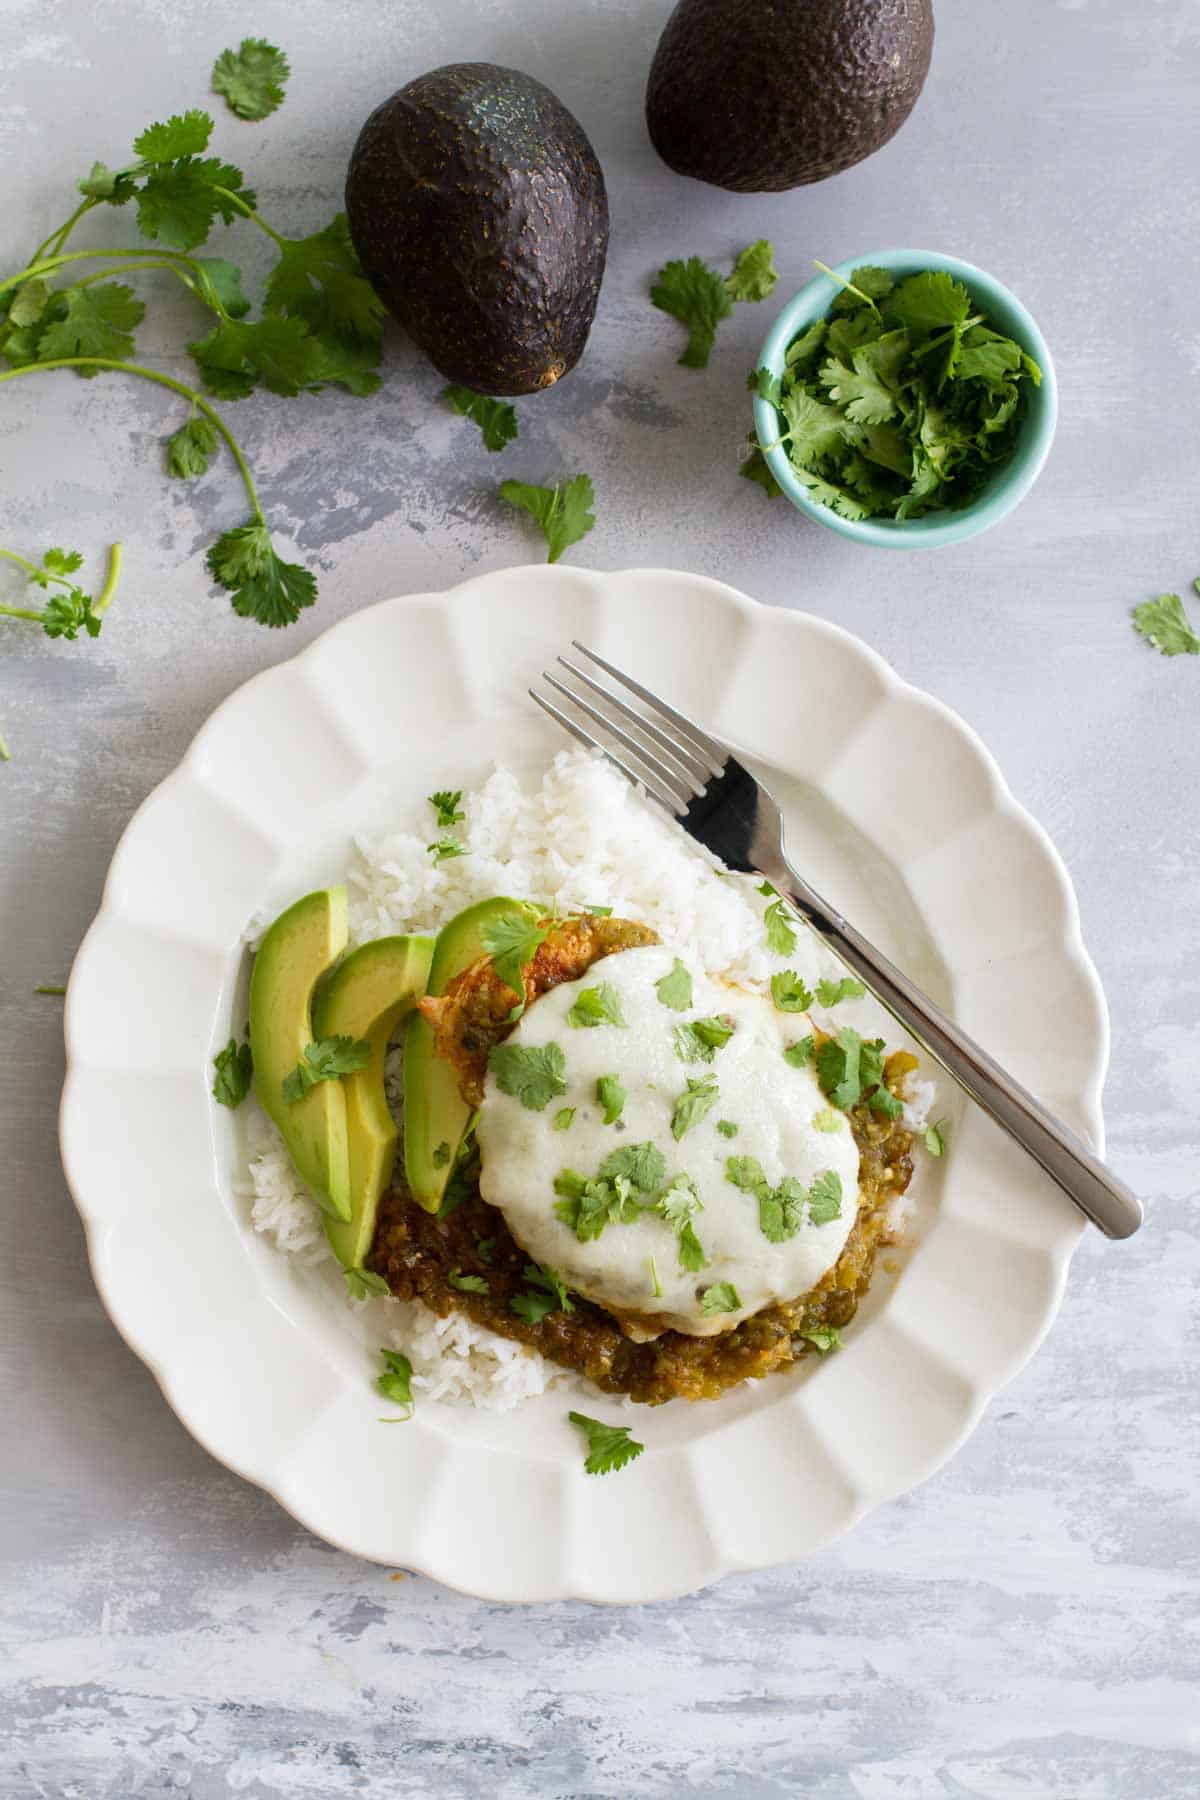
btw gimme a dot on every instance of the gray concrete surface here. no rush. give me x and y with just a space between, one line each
1026 1624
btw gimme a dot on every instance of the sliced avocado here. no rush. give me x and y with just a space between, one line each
435 1113
366 996
296 951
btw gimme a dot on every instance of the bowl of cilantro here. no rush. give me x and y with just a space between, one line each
905 399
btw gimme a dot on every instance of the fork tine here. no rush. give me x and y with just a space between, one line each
590 743
666 778
713 755
692 767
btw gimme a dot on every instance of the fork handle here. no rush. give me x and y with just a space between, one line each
1067 1160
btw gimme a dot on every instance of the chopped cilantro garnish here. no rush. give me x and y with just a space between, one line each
550 1295
325 1060
823 1338
484 1248
599 912
234 1066
781 936
362 1282
825 1198
754 273
832 993
563 1119
675 989
496 419
801 1052
533 1076
587 1207
699 1039
643 1165
655 1283
679 1202
441 1155
610 1447
727 1128
789 992
691 1250
721 1297
697 1099
781 1210
444 849
610 1092
395 1383
828 1119
600 1005
468 1284
448 807
935 1138
512 940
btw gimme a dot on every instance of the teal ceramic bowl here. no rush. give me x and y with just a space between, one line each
1012 480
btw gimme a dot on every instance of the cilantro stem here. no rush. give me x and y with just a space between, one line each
975 319
116 556
136 268
19 612
23 562
248 212
5 753
58 238
848 285
51 264
167 381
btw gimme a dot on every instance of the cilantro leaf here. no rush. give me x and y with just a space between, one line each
447 806
468 1284
642 1165
219 284
28 303
823 1338
678 1202
828 1119
178 202
58 562
699 1039
747 1173
66 615
587 1207
115 186
789 993
727 1128
866 287
754 273
691 1250
563 1119
563 511
699 298
264 587
934 1138
814 429
859 390
234 1066
765 385
441 1155
930 300
610 1447
1164 624
446 849
721 1297
190 449
781 938
832 993
610 1092
395 1383
183 134
496 419
94 321
825 1198
512 940
801 1052
756 468
239 354
600 1005
697 1100
675 990
319 279
533 1076
325 1060
251 78
551 1295
361 1283
781 1210
838 1068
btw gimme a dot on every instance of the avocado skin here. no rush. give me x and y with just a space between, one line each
762 95
478 210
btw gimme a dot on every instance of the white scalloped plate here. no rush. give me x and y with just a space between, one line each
897 813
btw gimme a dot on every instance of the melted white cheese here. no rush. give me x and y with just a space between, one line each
772 1104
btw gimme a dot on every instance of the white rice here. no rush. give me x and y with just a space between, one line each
582 837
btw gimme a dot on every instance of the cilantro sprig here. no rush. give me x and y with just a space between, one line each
320 323
1164 625
699 297
564 511
326 1059
496 419
233 1071
902 401
549 1295
610 1447
395 1384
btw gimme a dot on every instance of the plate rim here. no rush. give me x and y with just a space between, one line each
1087 1093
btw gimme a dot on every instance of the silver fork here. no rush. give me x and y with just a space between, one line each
719 803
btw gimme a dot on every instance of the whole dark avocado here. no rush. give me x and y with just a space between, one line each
478 210
760 95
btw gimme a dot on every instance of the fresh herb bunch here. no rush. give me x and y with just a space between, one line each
903 401
320 321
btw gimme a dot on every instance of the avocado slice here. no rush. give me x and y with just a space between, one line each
302 943
766 97
435 1113
366 996
478 210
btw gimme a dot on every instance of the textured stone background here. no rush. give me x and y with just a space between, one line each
1026 1624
